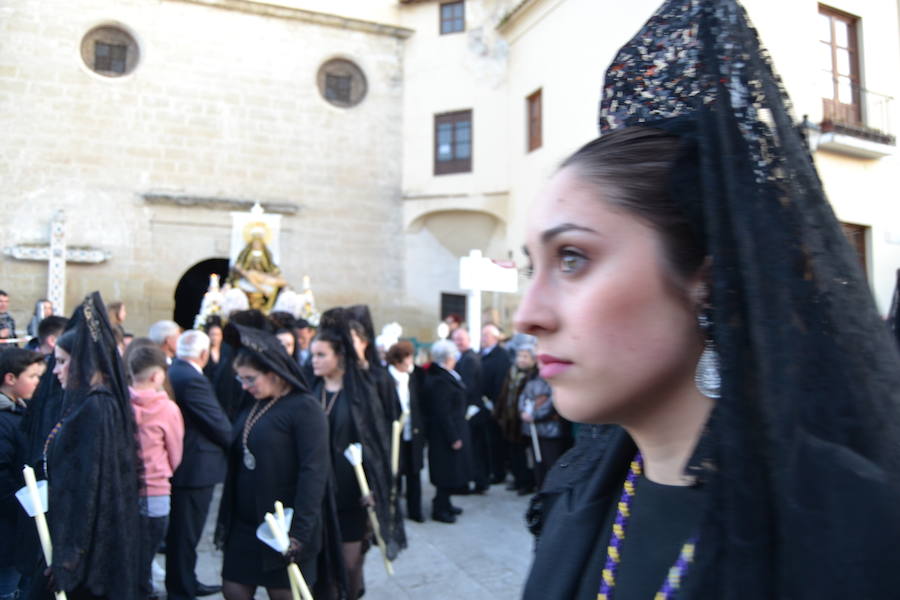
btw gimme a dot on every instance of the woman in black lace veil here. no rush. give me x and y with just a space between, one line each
356 415
90 460
777 475
279 453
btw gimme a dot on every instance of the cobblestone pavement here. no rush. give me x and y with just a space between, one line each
483 556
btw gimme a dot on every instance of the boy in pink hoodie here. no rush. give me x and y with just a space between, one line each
161 431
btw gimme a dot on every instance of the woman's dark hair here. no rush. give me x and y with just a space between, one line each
67 340
144 357
333 339
358 328
246 358
290 331
212 321
635 167
282 320
399 352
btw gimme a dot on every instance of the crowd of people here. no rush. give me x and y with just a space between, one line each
133 434
698 310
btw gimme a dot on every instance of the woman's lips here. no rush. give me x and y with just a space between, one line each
552 366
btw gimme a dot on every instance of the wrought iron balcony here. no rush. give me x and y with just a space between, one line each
861 126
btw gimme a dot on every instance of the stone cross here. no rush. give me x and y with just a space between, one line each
57 255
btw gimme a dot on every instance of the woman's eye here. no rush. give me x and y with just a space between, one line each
570 261
528 271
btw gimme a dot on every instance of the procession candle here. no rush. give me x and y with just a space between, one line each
297 576
281 539
40 520
354 455
395 447
279 512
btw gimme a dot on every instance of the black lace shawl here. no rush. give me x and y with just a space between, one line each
805 441
374 433
94 469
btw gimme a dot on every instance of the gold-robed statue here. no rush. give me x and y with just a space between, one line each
254 271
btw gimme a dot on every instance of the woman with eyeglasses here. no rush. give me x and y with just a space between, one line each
279 453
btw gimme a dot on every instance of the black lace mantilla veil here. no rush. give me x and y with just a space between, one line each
805 436
269 350
94 469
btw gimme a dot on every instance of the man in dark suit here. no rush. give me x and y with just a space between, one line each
495 364
207 435
445 426
469 368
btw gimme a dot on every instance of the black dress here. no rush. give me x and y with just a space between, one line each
289 445
352 516
573 515
94 509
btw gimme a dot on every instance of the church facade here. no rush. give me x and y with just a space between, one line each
393 136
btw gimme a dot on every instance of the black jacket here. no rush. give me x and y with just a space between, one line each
12 449
417 418
469 368
207 430
494 370
445 418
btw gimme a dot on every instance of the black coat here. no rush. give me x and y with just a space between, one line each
417 420
207 430
494 370
290 445
445 419
469 369
569 513
12 449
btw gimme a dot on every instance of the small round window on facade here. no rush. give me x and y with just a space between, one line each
341 83
110 51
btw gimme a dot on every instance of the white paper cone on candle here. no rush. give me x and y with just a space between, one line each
354 455
395 447
274 533
38 507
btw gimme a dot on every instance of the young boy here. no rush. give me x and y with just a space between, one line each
20 373
161 430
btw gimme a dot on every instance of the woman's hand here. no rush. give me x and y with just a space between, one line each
51 580
526 417
456 445
367 500
293 552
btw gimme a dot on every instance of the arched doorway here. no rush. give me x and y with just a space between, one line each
191 287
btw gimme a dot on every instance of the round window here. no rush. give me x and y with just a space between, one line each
341 83
110 51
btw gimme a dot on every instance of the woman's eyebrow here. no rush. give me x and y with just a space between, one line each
551 233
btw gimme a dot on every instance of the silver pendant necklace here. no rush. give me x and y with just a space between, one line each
252 418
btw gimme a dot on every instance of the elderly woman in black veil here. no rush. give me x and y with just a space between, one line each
350 401
279 453
90 460
692 286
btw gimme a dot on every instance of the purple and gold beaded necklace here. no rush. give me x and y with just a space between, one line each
676 573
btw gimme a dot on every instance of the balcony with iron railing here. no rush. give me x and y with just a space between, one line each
857 122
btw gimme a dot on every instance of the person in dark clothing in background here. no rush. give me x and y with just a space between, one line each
495 363
408 378
207 436
445 419
20 373
468 366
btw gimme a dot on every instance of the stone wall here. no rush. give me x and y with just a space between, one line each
223 104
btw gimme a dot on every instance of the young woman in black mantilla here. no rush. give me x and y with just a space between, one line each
355 415
279 453
90 459
692 285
